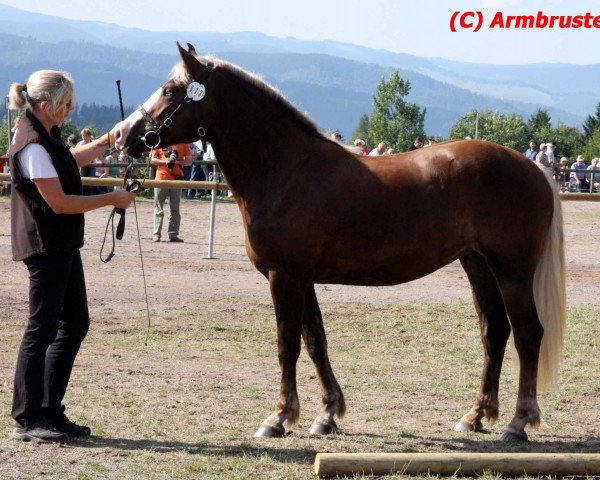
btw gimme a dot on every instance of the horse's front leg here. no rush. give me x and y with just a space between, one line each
315 340
288 299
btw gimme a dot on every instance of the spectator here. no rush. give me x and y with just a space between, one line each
336 137
14 127
595 165
72 141
418 143
89 170
377 151
430 141
113 171
390 151
542 157
532 151
169 165
216 176
578 178
48 206
551 153
562 175
361 147
200 172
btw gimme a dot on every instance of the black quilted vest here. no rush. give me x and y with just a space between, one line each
35 228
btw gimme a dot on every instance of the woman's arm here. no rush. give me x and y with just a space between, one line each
84 154
52 192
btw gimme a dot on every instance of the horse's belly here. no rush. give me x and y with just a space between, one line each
365 272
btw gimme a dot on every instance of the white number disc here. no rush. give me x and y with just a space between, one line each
196 91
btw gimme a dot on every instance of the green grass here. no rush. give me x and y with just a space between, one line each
186 405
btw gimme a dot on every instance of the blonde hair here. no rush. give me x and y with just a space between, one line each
54 86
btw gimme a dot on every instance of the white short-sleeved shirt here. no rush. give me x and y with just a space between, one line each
35 162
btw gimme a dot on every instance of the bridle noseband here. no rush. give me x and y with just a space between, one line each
195 93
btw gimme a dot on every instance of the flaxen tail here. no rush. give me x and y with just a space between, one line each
550 297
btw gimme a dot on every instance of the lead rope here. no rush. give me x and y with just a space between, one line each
137 226
134 186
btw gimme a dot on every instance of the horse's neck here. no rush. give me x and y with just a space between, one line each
254 152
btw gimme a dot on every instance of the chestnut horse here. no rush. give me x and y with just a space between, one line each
314 212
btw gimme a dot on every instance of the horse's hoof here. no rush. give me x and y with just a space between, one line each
514 437
319 428
269 431
465 427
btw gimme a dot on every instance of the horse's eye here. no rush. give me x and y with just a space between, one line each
167 92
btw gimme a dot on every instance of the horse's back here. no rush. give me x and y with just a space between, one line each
419 211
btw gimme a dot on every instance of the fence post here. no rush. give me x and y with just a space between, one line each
213 203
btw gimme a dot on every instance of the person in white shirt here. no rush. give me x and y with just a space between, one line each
378 150
47 209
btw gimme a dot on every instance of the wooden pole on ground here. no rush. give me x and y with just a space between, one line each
509 464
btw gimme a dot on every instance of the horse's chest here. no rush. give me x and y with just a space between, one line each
278 243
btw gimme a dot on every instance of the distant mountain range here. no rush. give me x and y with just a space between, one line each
333 82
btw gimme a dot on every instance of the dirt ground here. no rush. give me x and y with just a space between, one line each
143 401
230 274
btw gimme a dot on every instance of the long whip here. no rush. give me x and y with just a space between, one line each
137 225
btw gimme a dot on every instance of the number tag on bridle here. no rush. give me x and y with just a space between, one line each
196 91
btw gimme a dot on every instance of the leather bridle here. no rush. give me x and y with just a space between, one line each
195 93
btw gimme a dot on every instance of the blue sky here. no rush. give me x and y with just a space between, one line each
416 27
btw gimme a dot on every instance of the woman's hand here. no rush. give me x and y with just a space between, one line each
122 198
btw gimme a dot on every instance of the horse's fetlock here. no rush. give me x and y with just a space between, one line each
341 406
293 416
491 414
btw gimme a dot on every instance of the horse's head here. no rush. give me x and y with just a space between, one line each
176 113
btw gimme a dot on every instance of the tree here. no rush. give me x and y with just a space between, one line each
506 129
3 136
362 129
539 126
592 146
569 141
591 123
69 128
395 121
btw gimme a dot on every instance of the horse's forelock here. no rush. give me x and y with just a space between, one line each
180 74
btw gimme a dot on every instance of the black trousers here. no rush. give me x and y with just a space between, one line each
58 323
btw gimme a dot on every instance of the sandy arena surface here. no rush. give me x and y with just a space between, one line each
189 273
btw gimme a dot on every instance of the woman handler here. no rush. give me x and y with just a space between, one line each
47 222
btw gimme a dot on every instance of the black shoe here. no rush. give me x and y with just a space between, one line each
64 425
39 430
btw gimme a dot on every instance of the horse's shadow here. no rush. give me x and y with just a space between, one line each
283 454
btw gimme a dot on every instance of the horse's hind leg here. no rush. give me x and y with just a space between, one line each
528 332
495 331
315 340
288 299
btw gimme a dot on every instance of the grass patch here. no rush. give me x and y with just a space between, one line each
186 405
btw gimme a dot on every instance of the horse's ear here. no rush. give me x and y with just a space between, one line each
191 49
189 60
